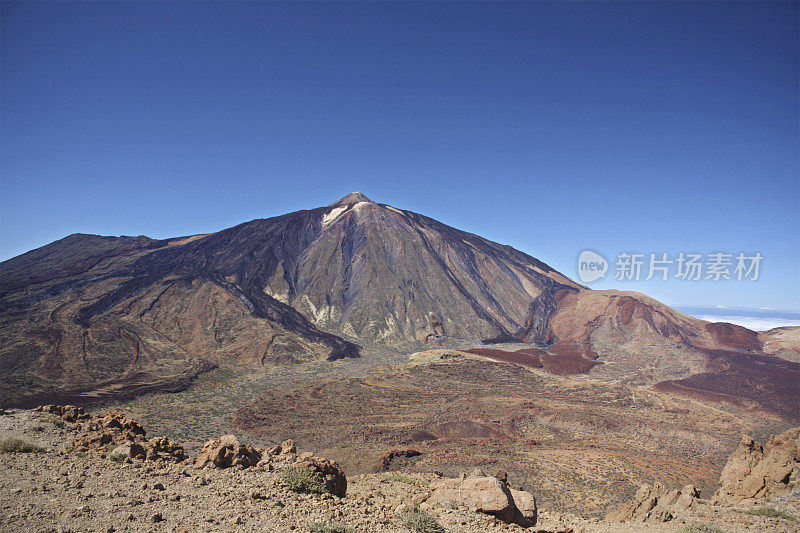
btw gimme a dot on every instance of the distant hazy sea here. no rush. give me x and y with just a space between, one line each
755 319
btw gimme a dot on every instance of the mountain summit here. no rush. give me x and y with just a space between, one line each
350 199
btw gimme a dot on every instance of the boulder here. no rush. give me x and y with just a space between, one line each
394 458
69 413
161 448
97 433
283 449
758 471
288 447
485 494
526 505
655 504
129 450
118 423
227 451
328 472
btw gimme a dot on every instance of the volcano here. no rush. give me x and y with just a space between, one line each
91 317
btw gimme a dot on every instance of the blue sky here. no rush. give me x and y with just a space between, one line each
552 127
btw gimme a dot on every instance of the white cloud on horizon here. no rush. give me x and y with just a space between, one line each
756 323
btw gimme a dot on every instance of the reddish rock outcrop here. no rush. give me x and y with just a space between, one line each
326 471
488 495
388 459
165 449
129 450
98 432
655 504
227 451
757 471
68 413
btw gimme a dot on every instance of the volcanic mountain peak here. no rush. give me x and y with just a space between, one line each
99 315
350 199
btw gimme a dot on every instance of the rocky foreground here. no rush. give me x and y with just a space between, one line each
64 470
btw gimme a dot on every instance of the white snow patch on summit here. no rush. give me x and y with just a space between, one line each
328 218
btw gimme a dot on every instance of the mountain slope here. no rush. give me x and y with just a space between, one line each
91 317
374 271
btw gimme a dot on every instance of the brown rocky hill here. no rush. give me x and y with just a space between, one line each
642 341
91 317
783 342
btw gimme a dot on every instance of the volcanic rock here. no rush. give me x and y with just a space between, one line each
386 460
758 471
161 448
227 451
655 504
98 432
130 450
287 447
327 472
526 506
485 494
68 413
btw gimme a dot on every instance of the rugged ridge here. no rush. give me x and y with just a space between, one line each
91 317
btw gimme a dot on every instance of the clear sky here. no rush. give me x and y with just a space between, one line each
552 127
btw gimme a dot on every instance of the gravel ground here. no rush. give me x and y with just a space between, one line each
60 490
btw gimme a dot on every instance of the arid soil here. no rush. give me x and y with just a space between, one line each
582 442
580 445
745 379
64 490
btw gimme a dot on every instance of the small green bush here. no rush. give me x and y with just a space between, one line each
302 480
319 527
769 512
420 522
14 445
117 458
701 527
401 478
